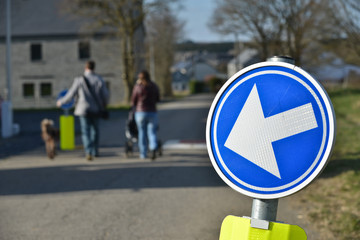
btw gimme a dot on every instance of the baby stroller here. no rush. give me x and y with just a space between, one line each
131 134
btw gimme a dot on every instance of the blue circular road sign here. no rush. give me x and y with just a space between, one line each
270 130
68 105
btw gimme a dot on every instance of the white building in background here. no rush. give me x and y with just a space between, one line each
331 69
185 71
244 59
336 71
50 48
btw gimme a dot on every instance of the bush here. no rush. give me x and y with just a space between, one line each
215 84
196 86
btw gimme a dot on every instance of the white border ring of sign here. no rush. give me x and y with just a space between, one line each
331 136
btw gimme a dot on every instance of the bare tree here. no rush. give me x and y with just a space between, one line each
305 22
285 27
163 31
125 17
347 22
248 18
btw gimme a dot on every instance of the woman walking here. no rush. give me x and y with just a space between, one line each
144 97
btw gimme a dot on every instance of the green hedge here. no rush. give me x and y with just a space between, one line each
196 86
215 84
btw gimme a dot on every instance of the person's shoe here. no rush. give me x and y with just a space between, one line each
89 157
153 155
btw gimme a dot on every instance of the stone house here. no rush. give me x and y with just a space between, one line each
50 48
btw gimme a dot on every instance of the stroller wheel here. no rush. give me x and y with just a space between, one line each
128 149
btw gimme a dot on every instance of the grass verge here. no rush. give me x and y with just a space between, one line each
332 202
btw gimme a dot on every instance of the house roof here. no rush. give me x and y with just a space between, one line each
244 57
329 72
41 18
196 69
331 68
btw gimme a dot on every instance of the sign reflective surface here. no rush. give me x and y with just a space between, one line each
270 130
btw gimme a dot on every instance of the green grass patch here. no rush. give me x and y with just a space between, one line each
332 202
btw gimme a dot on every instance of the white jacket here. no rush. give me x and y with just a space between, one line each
84 99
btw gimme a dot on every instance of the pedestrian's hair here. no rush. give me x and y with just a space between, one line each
90 65
146 75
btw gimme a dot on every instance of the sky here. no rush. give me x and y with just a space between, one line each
196 14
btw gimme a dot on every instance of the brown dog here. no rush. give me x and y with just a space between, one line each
50 135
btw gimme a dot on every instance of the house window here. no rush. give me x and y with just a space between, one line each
84 50
35 52
28 90
45 89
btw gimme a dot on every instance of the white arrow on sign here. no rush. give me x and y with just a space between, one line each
252 134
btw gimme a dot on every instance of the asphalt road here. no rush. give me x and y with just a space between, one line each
179 196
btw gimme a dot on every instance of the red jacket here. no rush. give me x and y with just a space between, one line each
145 97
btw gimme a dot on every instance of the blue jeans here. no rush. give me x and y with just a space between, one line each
147 124
90 134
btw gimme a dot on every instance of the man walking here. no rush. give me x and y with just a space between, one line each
92 97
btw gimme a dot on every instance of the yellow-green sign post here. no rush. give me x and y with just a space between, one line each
239 228
67 132
67 125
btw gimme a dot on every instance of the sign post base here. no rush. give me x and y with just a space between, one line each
239 228
67 132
